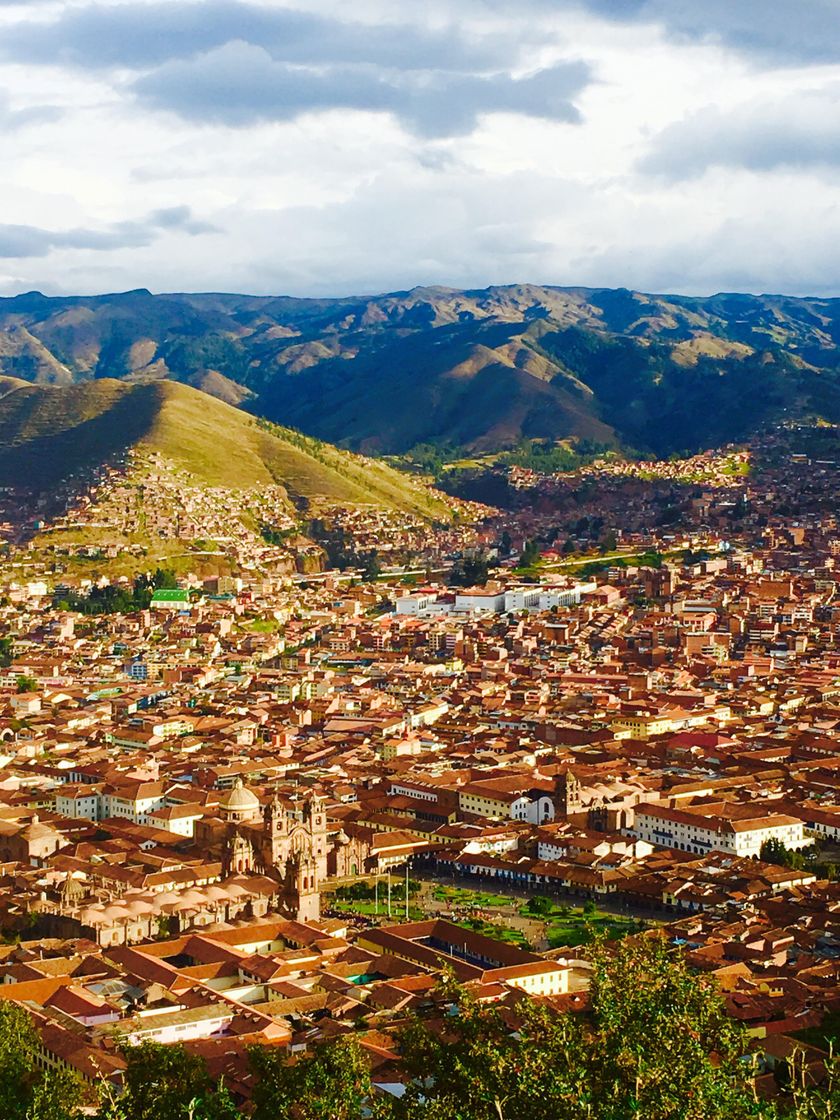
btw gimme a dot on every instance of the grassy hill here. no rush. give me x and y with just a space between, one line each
48 435
478 369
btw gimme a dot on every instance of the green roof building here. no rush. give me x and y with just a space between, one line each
171 598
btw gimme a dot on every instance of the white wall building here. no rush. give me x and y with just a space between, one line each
417 604
692 832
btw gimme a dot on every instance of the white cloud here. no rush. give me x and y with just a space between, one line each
637 143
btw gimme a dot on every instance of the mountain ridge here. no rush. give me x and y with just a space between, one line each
479 369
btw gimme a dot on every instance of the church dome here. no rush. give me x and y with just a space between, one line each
239 802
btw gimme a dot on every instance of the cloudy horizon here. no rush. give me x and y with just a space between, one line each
264 147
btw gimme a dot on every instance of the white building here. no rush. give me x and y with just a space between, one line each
704 831
420 602
179 819
523 598
79 802
565 596
480 599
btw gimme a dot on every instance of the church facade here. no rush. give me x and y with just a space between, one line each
286 841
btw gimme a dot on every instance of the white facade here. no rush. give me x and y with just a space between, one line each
565 596
416 604
523 599
674 828
494 602
136 810
85 807
540 809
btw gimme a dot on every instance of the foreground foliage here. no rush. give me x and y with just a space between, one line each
26 1092
656 1044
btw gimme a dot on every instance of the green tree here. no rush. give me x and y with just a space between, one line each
658 1045
471 571
371 566
27 684
332 1084
610 542
7 652
666 1048
540 904
170 1082
775 851
57 1095
18 1044
164 578
26 1093
530 554
476 1068
805 1104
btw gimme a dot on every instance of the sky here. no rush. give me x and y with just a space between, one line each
333 147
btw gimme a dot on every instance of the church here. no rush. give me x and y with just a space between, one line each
285 841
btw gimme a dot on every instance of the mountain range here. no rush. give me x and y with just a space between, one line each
478 370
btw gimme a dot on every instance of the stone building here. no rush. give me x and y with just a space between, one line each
32 843
286 841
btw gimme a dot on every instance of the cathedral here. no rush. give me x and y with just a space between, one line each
286 841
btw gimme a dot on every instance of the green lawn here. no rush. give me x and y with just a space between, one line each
461 896
366 907
568 925
564 924
498 932
581 930
262 625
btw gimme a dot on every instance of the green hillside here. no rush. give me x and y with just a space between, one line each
48 435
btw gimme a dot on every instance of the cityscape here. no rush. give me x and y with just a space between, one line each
274 807
419 560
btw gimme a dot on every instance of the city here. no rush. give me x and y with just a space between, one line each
271 807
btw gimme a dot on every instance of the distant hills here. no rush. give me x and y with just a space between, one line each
480 369
49 434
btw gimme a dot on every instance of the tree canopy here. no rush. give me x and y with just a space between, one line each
26 1092
655 1043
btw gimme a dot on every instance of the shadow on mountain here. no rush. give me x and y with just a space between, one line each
55 436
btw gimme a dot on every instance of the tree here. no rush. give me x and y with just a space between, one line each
471 571
57 1095
530 554
27 684
476 1068
371 566
18 1043
775 851
658 1045
164 577
610 542
26 1093
540 904
332 1084
7 652
167 1081
666 1048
